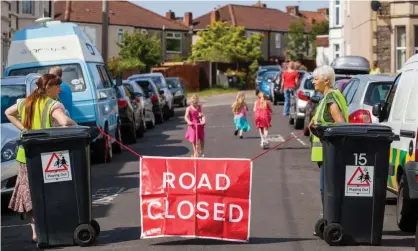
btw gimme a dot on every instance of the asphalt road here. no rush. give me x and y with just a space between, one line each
285 195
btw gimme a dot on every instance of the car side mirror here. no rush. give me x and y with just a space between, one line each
315 99
377 111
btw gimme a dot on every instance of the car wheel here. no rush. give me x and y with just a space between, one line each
142 127
129 134
166 113
291 120
298 123
160 117
151 124
406 209
103 150
117 148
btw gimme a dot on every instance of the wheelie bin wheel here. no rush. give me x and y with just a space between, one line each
334 234
84 235
96 227
319 228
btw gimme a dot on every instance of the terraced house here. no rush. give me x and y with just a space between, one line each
126 16
272 23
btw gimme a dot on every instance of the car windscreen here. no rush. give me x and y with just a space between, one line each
146 86
376 93
173 82
308 85
157 81
71 75
9 96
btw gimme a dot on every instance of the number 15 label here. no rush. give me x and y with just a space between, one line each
360 159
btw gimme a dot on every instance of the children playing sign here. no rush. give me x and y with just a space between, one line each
205 198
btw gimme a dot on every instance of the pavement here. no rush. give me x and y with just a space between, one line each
285 191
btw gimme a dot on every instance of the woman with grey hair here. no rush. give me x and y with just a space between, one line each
331 110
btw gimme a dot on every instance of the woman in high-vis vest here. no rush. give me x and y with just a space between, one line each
331 110
38 111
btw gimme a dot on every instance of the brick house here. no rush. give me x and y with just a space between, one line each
124 16
272 23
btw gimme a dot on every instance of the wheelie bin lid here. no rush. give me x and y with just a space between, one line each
57 133
354 130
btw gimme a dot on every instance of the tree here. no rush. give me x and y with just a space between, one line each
117 65
296 40
222 42
317 29
140 50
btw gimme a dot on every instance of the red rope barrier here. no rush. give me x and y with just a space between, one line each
120 143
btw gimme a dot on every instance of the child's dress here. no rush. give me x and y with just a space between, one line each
262 116
240 120
191 129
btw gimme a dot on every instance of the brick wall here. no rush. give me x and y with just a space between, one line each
383 48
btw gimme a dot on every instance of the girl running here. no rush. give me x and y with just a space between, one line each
239 108
262 117
196 130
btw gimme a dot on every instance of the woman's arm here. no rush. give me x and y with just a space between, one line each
12 115
336 113
186 116
62 118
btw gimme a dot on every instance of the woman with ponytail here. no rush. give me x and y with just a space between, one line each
28 114
262 116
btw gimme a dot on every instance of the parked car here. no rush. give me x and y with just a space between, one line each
341 83
12 89
362 93
399 111
261 71
130 114
268 85
146 102
178 90
299 101
161 83
151 92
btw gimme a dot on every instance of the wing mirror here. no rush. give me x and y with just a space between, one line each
315 99
377 109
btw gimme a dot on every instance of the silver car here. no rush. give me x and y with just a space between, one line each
300 99
362 93
12 89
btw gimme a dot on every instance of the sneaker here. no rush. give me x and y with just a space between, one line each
236 132
202 155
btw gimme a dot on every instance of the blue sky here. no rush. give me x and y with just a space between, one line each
199 8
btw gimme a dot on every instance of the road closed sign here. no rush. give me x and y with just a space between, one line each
359 181
56 166
204 198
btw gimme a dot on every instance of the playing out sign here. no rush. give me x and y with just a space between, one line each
207 198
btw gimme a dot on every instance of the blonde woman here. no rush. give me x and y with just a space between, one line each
195 120
262 117
240 108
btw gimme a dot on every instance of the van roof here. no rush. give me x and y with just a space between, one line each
412 59
51 41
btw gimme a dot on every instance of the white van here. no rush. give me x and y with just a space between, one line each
400 111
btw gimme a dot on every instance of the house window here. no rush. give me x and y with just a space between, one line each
337 12
27 7
278 40
337 51
400 46
120 35
173 42
416 39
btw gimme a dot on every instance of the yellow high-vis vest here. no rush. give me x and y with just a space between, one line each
41 119
318 118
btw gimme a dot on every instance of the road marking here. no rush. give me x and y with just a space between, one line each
104 196
275 138
298 139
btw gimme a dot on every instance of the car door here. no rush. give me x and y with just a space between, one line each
146 102
107 96
136 106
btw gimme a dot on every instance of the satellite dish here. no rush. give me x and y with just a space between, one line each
376 5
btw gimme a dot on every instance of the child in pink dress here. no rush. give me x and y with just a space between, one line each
262 117
195 120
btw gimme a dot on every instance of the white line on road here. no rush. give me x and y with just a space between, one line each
298 139
22 225
105 195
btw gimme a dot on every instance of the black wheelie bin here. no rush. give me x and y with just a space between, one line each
356 162
58 164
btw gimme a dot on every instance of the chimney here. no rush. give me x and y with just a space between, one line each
324 11
260 5
214 16
67 12
170 15
188 19
293 10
